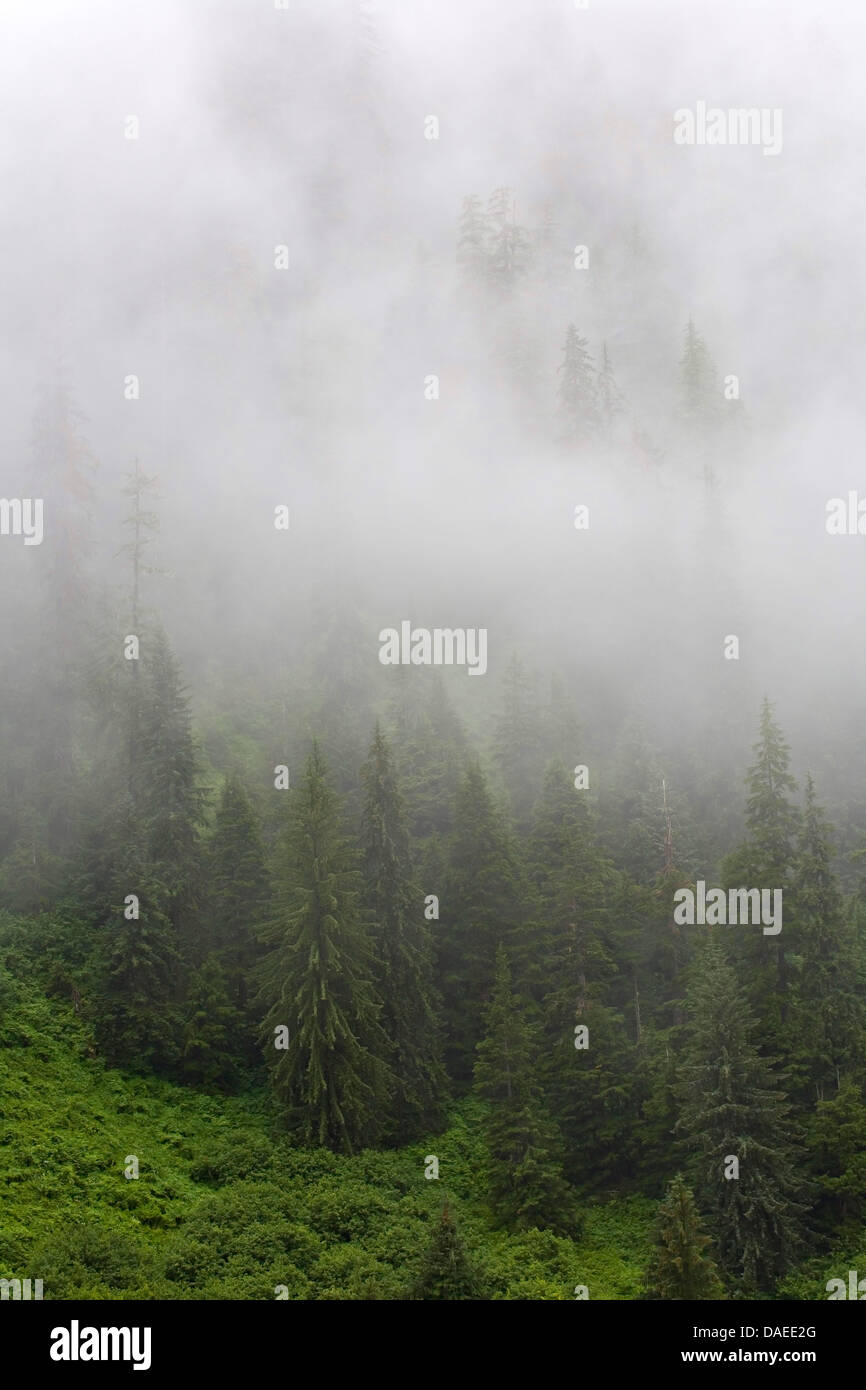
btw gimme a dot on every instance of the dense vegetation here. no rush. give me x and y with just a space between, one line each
319 986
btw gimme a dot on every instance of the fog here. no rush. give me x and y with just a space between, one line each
307 128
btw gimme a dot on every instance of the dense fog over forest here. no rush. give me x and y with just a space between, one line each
325 319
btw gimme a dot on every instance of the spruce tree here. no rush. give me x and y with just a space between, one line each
446 1272
837 1144
732 1108
699 397
681 1267
508 248
611 406
517 739
577 391
472 243
483 903
138 1019
523 1170
404 953
317 980
826 1022
766 861
213 1030
238 889
165 786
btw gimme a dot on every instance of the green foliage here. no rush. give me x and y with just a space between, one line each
681 1267
523 1171
446 1272
332 1076
732 1108
405 956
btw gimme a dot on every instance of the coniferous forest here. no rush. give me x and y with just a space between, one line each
432 757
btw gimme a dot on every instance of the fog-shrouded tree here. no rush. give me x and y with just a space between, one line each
735 1125
523 1170
404 952
317 980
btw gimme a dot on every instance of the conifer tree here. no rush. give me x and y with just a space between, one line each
611 406
771 819
332 1076
838 1152
681 1267
733 1109
404 953
166 793
523 1171
213 1030
577 391
472 243
484 902
826 1020
517 740
766 860
238 887
548 259
699 397
138 1020
508 249
446 1271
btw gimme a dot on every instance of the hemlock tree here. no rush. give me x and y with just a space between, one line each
732 1109
446 1272
577 392
681 1268
404 953
332 1076
523 1171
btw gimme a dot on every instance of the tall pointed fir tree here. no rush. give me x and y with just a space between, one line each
508 247
446 1271
239 894
734 1122
699 396
404 952
472 244
681 1267
523 1168
825 1026
611 407
165 784
153 854
138 1019
700 402
212 1029
484 902
517 739
322 1032
766 860
577 392
589 1059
